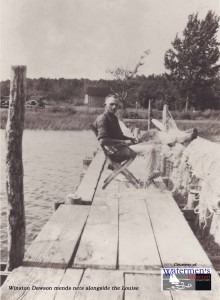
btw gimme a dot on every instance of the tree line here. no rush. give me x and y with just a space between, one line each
192 79
158 88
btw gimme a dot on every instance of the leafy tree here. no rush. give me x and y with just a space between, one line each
193 60
125 82
160 90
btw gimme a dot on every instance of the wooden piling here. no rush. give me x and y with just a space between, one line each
14 168
165 116
149 115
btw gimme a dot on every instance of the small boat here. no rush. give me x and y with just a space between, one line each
173 279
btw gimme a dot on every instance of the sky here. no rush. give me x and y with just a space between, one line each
84 38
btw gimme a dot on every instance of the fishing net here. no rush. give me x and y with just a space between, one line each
169 133
197 165
168 121
200 160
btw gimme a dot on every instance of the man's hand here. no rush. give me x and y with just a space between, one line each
134 140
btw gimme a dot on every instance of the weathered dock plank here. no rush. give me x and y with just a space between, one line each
99 242
137 246
56 243
70 281
149 287
87 187
101 278
32 283
174 238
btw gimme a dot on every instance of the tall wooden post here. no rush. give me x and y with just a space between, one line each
14 168
165 116
149 115
163 165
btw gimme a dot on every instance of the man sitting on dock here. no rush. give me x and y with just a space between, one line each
109 133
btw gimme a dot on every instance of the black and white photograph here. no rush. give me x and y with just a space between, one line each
110 149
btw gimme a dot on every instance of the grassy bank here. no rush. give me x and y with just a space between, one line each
54 118
143 113
69 118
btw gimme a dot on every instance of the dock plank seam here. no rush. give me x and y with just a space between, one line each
154 234
100 174
123 295
99 244
61 281
77 245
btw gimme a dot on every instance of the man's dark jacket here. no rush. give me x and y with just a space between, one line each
109 133
107 127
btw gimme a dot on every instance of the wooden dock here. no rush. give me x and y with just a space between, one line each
112 238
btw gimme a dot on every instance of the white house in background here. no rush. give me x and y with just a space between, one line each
95 96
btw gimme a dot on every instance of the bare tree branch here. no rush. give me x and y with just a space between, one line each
124 76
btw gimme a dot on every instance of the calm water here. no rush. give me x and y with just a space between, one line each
52 166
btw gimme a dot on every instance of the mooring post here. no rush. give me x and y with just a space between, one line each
165 116
14 168
149 115
165 123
